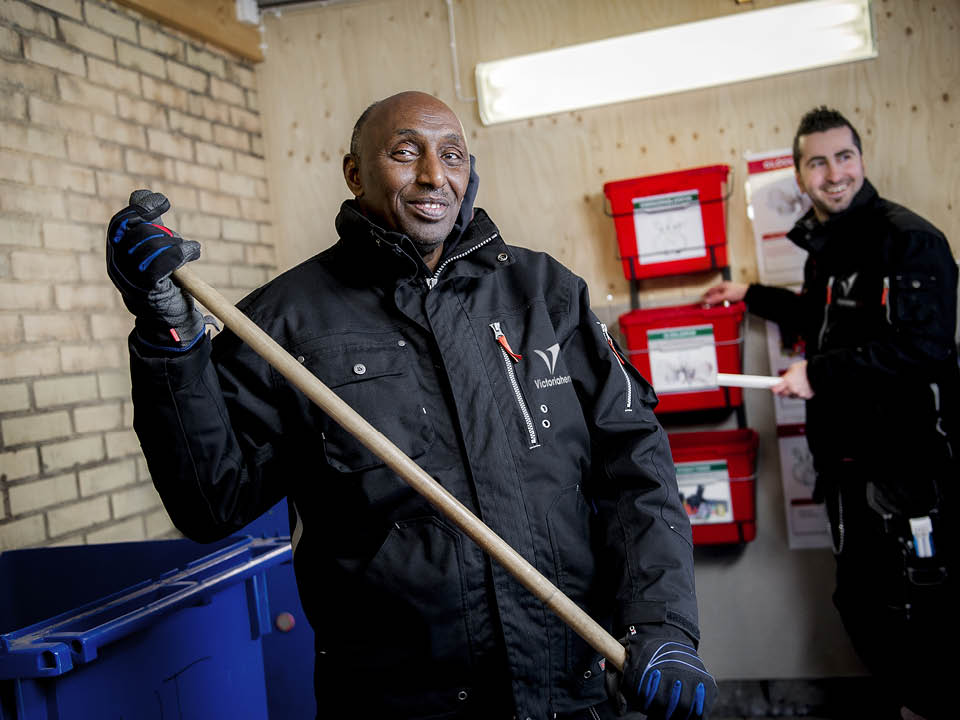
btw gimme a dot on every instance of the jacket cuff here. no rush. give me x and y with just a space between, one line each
639 612
654 614
176 370
667 632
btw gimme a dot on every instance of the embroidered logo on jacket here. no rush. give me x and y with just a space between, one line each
549 357
847 285
551 361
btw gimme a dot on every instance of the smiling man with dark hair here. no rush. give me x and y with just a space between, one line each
877 317
483 362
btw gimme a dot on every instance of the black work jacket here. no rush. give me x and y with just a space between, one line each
877 317
557 450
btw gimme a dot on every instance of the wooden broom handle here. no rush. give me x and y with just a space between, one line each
305 381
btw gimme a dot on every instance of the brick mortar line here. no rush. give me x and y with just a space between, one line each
25 33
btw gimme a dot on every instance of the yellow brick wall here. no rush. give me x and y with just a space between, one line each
96 101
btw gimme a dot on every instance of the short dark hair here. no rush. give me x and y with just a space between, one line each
358 128
818 120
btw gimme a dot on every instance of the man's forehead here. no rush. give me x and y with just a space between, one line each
447 132
415 115
833 140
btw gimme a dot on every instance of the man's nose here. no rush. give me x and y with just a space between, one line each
833 170
430 171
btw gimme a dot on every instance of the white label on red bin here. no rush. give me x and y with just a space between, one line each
682 359
668 227
705 491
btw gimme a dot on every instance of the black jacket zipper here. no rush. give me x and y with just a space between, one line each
626 377
433 279
509 358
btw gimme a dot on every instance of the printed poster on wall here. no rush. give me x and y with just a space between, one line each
807 525
668 227
774 204
787 411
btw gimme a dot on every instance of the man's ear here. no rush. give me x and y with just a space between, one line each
803 188
351 173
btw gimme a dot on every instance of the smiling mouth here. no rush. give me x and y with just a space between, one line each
836 190
429 209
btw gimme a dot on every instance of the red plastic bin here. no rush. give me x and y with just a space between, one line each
691 344
716 474
672 223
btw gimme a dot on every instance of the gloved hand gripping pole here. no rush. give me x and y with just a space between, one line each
305 381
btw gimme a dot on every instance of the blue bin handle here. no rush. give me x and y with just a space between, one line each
55 646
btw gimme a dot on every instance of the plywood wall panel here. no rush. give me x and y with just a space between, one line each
542 179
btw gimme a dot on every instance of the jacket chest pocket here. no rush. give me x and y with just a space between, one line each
521 396
915 301
378 382
855 310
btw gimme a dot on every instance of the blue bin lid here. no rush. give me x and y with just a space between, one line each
57 644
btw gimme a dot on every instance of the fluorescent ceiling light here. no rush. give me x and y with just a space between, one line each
742 46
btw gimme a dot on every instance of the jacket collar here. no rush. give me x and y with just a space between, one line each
377 255
812 235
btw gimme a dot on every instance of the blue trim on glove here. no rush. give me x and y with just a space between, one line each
150 258
149 237
121 229
673 680
674 699
698 697
653 684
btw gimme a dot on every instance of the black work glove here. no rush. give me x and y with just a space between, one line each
141 255
663 676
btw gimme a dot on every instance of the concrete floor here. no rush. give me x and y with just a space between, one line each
845 698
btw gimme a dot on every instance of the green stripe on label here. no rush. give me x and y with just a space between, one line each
680 333
665 202
697 468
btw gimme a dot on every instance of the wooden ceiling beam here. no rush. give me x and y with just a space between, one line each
212 20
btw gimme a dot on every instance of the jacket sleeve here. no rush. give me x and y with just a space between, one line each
777 304
642 538
210 434
922 311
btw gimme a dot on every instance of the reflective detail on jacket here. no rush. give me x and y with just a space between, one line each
410 611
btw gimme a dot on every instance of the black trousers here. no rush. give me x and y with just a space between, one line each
900 610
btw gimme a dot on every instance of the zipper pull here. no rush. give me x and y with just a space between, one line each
830 282
606 335
502 341
885 298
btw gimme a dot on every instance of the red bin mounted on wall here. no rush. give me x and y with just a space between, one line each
680 350
672 223
716 475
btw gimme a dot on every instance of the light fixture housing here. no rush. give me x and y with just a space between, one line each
742 46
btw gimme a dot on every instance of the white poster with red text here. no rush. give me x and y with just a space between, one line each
774 204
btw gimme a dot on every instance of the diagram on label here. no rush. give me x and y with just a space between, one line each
682 359
705 491
668 227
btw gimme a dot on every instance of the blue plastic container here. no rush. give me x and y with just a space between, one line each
288 652
159 629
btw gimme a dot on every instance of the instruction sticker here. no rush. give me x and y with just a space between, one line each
668 227
705 491
682 359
